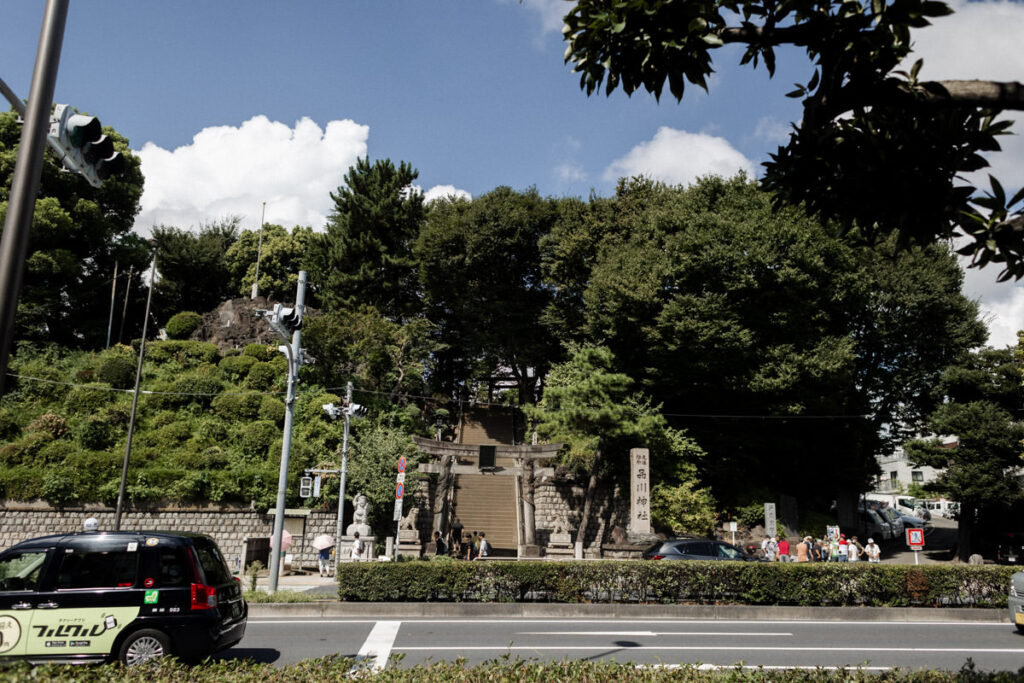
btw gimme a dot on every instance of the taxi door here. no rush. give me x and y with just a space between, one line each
90 596
20 573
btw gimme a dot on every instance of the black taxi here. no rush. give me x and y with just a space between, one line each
125 595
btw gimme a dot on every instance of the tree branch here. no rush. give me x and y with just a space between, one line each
989 94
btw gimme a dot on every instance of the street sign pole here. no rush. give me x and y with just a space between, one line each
399 494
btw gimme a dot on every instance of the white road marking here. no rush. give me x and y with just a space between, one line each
378 645
656 620
779 648
651 634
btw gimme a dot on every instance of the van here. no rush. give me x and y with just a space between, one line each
124 595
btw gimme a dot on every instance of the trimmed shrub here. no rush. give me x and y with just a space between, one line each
235 368
87 399
53 425
22 482
272 409
182 325
118 371
95 434
171 437
258 437
9 429
237 406
61 487
187 353
261 376
260 352
54 453
752 583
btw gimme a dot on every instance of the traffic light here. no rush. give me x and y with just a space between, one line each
356 410
285 321
83 147
305 487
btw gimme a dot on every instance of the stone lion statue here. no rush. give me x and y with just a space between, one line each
411 520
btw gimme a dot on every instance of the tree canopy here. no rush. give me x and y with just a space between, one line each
877 150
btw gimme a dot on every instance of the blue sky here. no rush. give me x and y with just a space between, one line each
231 104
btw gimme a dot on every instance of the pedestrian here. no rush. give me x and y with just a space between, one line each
764 546
440 547
770 549
457 530
469 552
483 547
455 546
833 549
873 552
843 549
821 549
856 549
783 548
357 548
324 558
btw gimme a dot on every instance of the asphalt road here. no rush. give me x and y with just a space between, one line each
992 646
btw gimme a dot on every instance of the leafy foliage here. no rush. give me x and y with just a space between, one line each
182 325
877 151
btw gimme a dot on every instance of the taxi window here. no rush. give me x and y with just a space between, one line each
20 571
172 565
87 568
214 565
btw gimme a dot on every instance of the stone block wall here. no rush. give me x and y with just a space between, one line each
229 527
554 498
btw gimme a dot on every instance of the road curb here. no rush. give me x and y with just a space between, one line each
413 610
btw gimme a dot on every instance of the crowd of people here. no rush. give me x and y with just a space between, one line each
461 544
833 547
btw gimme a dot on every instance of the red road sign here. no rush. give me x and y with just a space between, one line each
399 490
401 464
915 538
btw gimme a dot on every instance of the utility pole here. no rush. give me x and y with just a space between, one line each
283 321
28 171
259 253
113 294
344 468
135 401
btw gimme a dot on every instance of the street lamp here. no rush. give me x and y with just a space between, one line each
348 411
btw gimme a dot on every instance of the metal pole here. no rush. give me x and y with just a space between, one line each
344 468
259 252
135 401
124 309
113 294
28 170
293 353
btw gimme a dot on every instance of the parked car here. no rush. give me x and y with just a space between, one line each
696 549
910 521
895 521
1010 548
1016 600
130 596
873 525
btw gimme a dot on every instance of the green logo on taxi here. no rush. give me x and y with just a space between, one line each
151 597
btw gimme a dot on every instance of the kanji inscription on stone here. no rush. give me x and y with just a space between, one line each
640 490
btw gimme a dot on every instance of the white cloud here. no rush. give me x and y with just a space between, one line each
550 12
677 157
443 192
569 172
231 170
770 129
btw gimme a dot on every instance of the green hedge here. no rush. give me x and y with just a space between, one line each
337 668
750 583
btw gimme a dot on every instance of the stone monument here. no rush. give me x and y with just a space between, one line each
560 544
409 534
639 492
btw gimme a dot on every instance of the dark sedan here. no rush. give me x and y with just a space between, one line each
696 549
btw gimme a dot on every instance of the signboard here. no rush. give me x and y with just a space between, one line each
640 491
770 528
399 490
915 538
398 510
401 465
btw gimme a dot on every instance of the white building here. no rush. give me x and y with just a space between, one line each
898 473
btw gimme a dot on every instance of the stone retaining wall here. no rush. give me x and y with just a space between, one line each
553 499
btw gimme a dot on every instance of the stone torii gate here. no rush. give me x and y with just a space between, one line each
518 461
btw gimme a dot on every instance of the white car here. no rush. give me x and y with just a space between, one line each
1016 600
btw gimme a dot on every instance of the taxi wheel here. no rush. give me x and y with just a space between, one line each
143 646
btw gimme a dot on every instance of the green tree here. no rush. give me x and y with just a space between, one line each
877 150
982 409
365 257
480 267
193 269
282 255
592 409
78 233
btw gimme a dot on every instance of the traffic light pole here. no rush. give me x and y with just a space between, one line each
294 354
344 467
28 171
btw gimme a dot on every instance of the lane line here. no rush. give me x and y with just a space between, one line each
734 648
651 634
378 646
651 621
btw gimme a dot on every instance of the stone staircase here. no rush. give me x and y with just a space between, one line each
487 502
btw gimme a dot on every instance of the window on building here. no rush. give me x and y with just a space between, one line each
917 476
893 479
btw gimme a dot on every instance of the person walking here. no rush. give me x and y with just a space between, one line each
440 548
483 547
843 549
469 551
873 552
856 549
357 548
783 545
324 560
771 549
803 550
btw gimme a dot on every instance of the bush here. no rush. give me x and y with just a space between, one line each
258 437
235 368
22 482
187 353
236 407
182 325
95 434
260 352
261 376
9 429
50 424
683 509
272 409
751 583
61 487
118 371
88 399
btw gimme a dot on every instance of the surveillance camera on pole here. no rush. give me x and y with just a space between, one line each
79 140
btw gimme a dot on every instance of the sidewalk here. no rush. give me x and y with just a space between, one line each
297 582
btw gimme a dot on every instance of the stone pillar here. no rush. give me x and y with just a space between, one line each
444 479
640 491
